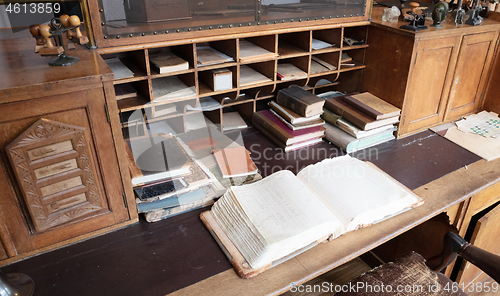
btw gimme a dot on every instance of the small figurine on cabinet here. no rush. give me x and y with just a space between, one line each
439 14
474 17
56 29
417 21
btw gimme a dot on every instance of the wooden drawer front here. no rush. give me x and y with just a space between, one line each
56 168
50 150
56 172
61 186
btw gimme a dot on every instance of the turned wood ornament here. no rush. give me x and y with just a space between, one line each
74 21
35 32
45 32
65 22
414 6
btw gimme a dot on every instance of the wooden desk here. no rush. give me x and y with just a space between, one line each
439 195
74 101
179 254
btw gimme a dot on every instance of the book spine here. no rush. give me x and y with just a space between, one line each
290 126
285 115
348 128
338 137
268 135
367 110
269 127
332 106
291 103
161 214
372 141
329 116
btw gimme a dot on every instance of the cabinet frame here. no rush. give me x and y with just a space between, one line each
217 33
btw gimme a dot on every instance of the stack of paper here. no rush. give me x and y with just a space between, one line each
318 65
232 121
249 76
289 71
168 178
168 62
206 104
209 56
250 51
171 87
119 69
318 44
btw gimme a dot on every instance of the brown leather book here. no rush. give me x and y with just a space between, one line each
372 106
291 116
300 101
286 148
283 134
356 117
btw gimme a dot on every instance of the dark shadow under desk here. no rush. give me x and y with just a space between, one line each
177 253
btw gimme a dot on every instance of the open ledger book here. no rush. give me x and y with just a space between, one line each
267 222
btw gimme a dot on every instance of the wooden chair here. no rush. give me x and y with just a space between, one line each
410 275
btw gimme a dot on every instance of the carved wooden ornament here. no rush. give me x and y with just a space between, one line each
56 173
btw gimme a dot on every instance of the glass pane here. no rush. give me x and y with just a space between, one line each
129 18
301 10
125 17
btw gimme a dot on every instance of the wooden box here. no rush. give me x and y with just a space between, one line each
218 79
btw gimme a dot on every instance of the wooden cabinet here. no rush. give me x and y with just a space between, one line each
481 215
485 232
471 73
429 83
62 173
434 75
286 47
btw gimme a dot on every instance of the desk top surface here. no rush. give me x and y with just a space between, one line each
23 70
179 254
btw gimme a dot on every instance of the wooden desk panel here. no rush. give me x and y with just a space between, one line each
160 258
438 195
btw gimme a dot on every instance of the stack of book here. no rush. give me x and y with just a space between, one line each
293 121
359 121
168 62
167 178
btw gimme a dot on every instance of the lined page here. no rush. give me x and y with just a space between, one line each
279 206
356 192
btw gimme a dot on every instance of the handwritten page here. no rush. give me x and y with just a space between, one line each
281 207
356 192
171 87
